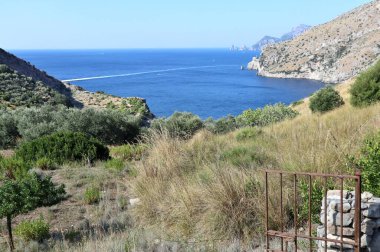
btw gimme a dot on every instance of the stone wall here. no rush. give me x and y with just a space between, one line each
370 225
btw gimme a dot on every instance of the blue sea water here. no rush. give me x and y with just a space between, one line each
207 82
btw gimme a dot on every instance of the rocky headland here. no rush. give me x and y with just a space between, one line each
332 52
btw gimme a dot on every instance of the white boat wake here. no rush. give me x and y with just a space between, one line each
148 72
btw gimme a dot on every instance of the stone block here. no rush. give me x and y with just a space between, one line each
368 226
338 245
365 240
373 211
337 206
336 193
334 219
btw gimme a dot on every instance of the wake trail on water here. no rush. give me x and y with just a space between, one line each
147 72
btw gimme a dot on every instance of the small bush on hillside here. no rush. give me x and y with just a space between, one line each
180 124
45 163
92 195
369 164
221 126
13 168
325 100
128 152
62 147
366 89
268 115
36 230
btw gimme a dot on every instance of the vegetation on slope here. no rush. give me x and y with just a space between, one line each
18 90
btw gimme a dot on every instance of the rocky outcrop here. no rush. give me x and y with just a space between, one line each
134 105
332 52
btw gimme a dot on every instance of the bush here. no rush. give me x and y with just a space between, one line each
115 163
366 89
221 126
36 230
13 168
268 115
109 126
128 152
45 164
8 130
180 124
325 100
92 195
369 164
62 147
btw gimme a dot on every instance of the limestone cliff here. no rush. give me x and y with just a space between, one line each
332 52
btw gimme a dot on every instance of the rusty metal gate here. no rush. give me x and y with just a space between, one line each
294 236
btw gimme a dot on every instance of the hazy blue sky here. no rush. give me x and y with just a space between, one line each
50 24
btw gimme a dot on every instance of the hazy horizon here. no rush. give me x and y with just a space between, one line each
168 24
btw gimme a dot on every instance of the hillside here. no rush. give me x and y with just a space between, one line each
332 52
22 84
28 70
18 90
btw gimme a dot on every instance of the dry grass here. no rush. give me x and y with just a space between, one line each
194 190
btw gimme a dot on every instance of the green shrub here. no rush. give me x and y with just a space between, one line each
248 133
8 130
92 195
268 115
325 100
369 164
115 163
221 126
13 168
180 124
45 163
62 147
36 230
366 89
128 152
109 126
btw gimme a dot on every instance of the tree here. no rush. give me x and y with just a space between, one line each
26 194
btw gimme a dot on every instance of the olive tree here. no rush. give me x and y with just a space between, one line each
19 196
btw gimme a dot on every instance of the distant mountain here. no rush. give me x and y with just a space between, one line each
332 52
268 40
295 32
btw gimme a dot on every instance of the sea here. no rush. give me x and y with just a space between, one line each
207 82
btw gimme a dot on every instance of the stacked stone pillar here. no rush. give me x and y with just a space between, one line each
370 221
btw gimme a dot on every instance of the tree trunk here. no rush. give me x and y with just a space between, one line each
10 236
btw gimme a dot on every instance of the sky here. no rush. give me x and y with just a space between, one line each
91 24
